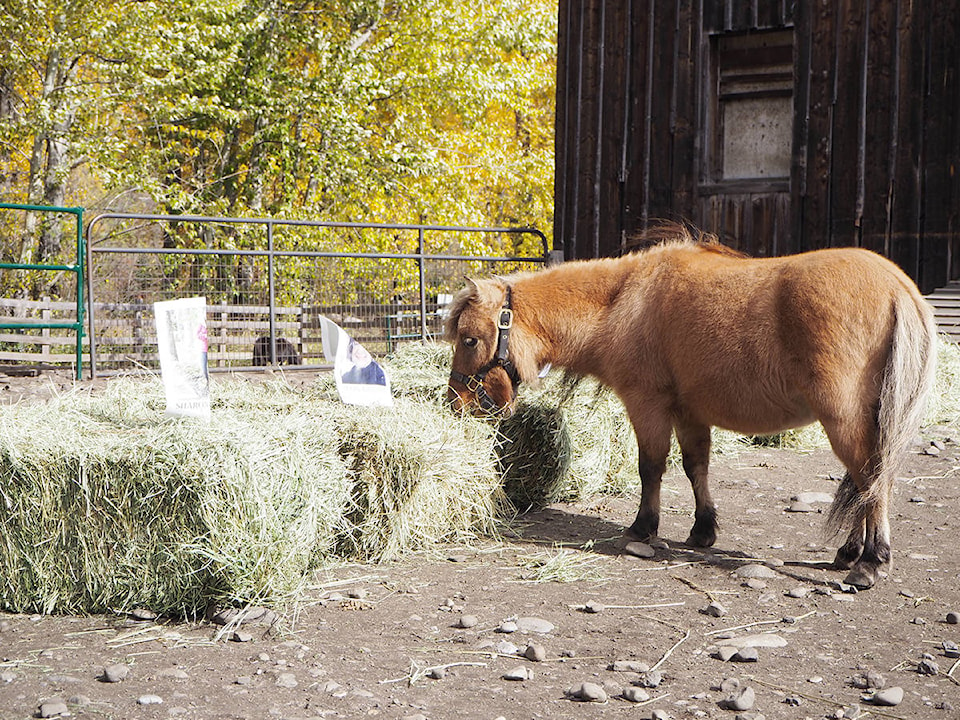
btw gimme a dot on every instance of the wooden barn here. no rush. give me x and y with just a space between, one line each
781 126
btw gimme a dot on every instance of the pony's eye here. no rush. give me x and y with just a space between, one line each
470 342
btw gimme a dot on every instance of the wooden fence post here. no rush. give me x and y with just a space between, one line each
45 315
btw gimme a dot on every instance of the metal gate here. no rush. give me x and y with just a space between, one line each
261 286
77 268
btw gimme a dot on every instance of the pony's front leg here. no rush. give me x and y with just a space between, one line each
653 445
694 441
647 523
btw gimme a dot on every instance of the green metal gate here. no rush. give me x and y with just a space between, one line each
77 268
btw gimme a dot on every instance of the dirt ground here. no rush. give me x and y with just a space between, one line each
385 640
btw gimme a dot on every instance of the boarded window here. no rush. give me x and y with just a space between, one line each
754 105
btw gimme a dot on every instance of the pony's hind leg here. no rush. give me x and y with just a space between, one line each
876 547
861 505
694 441
847 504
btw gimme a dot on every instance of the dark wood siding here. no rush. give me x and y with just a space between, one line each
874 149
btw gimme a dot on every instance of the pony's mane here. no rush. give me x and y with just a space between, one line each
669 233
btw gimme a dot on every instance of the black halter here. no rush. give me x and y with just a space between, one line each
474 383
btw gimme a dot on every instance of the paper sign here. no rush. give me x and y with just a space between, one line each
360 379
182 345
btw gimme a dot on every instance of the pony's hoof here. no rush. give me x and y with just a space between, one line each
630 535
845 558
701 541
860 579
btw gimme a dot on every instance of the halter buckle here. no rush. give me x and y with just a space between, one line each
505 321
474 384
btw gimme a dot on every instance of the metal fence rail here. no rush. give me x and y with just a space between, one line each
260 284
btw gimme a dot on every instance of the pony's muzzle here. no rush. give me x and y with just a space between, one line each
467 400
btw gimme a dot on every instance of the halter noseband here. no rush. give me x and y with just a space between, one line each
474 383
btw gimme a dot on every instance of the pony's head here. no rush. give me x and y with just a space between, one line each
483 375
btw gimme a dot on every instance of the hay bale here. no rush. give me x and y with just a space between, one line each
108 506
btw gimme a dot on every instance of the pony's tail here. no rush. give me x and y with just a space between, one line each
907 380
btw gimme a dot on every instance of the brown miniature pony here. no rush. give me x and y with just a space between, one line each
690 334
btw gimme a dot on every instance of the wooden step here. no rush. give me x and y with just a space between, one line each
946 309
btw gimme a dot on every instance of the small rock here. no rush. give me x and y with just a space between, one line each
813 497
798 592
174 673
593 607
725 653
659 544
7 677
149 700
639 549
800 507
507 627
536 653
953 618
868 680
467 621
659 714
755 570
634 666
520 672
917 499
437 673
259 615
143 614
240 636
591 692
243 680
457 558
742 699
888 697
932 450
746 655
755 584
53 708
918 621
506 648
928 667
286 680
115 673
650 679
760 640
729 685
636 695
714 609
534 625
950 649
79 700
